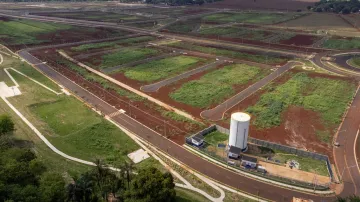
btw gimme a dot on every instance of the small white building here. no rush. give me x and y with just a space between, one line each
234 152
248 161
197 140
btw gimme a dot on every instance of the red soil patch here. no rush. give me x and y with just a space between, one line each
72 35
253 42
298 127
263 4
143 111
301 40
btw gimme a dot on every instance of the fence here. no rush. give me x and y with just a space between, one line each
272 145
237 165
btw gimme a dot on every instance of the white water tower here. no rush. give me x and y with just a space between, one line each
239 130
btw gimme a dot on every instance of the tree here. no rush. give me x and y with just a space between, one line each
82 189
127 170
352 198
151 185
52 187
6 124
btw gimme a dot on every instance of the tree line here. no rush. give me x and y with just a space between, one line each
335 6
24 177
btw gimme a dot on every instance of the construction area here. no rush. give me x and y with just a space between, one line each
191 80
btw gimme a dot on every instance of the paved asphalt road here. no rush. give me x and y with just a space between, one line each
217 113
344 156
341 60
211 170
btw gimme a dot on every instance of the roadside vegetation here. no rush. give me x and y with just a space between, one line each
265 59
217 85
342 44
253 18
355 62
328 97
112 44
161 69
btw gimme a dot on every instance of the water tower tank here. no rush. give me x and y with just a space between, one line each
239 129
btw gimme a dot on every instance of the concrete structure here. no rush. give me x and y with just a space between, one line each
239 129
248 161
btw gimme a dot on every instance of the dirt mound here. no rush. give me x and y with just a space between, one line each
263 4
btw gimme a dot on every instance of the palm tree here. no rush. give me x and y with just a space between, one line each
127 170
82 189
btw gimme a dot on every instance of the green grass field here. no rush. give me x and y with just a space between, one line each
184 27
25 31
328 97
97 16
271 60
184 195
235 32
217 85
80 132
125 56
306 163
216 137
161 69
342 44
355 62
112 44
253 18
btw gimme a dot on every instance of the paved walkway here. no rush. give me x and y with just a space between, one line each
218 112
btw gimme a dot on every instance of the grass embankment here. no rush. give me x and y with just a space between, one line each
184 195
217 85
184 26
78 131
124 56
342 44
328 97
271 60
355 62
252 18
25 31
161 69
112 44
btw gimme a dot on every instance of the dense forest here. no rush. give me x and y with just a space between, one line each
336 6
24 177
